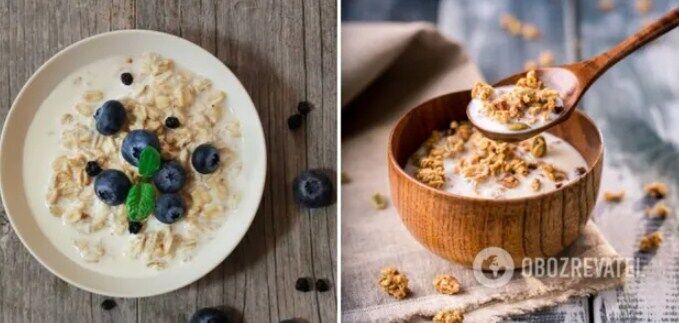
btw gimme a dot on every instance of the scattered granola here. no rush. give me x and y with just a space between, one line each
379 201
394 283
656 189
449 316
446 284
614 196
345 178
660 209
519 107
546 58
606 5
650 242
643 6
511 24
530 31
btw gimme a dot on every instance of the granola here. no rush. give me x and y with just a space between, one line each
660 210
650 242
448 316
614 196
463 152
160 89
520 106
379 201
394 283
446 284
656 189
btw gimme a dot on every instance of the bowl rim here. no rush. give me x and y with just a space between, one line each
12 114
402 173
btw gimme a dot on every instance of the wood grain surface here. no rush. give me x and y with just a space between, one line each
636 104
283 52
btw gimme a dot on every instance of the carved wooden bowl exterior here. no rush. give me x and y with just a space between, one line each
457 228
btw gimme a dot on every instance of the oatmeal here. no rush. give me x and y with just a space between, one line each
448 316
446 284
462 161
527 104
137 130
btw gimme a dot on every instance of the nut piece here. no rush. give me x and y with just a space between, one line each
394 283
656 189
658 210
536 185
510 182
446 284
379 201
650 242
538 147
449 316
614 196
517 126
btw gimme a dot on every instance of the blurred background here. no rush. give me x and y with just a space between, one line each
635 104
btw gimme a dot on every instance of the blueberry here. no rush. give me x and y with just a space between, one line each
110 117
170 177
169 208
209 315
322 285
304 108
295 121
313 189
126 78
92 168
134 227
205 159
108 304
135 142
111 186
302 284
172 122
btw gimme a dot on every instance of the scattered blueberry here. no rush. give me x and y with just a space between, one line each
108 304
126 78
313 189
135 142
170 177
302 284
580 170
304 108
322 285
169 208
209 315
111 186
288 321
92 168
295 121
205 159
172 122
134 227
110 117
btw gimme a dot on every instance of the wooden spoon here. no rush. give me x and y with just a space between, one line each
573 80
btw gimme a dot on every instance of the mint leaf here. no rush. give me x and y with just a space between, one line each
141 199
149 162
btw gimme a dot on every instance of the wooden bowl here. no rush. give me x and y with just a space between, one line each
457 227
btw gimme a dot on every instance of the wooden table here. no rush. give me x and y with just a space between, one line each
284 52
636 105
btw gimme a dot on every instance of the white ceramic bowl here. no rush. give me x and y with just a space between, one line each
12 153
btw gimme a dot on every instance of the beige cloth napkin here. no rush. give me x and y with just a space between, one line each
386 70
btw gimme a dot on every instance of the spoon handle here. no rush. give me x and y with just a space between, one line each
600 63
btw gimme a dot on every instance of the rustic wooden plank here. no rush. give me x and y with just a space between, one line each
320 45
635 105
